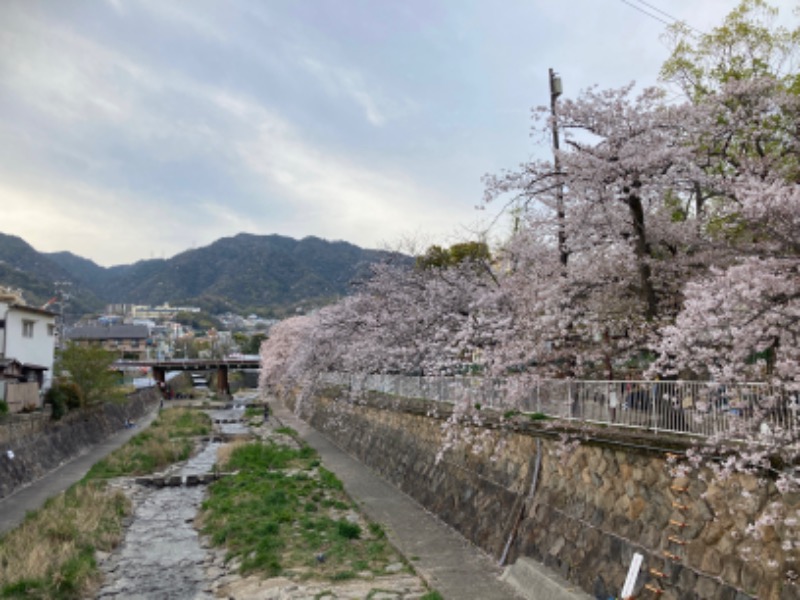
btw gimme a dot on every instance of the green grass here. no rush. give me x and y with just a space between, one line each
169 439
538 417
253 411
279 516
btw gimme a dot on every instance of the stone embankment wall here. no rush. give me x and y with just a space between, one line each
595 503
39 444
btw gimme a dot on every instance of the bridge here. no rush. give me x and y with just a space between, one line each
221 365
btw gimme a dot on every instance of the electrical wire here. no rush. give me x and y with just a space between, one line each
649 14
672 20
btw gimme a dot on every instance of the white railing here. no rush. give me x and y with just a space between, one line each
689 407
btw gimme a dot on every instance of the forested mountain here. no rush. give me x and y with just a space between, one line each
248 273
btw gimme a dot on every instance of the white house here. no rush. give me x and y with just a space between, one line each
27 348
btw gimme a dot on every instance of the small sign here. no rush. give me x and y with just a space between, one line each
633 573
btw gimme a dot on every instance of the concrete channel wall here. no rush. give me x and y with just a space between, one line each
39 444
595 503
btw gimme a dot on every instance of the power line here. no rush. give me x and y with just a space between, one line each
658 10
660 19
649 14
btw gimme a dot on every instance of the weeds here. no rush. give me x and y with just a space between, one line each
51 555
168 440
280 516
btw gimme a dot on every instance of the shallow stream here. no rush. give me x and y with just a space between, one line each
161 555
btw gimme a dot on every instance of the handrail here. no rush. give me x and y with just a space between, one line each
697 408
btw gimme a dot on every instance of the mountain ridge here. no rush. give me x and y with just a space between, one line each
271 274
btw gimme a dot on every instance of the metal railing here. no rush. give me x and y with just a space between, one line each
689 407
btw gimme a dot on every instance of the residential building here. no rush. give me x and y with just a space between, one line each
165 312
27 348
126 342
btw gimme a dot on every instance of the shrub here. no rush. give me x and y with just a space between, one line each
63 396
3 408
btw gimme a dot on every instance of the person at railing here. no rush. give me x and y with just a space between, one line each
613 402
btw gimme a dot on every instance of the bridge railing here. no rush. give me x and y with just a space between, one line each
688 407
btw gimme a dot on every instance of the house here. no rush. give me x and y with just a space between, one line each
27 347
126 342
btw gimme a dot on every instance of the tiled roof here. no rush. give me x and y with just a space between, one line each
108 332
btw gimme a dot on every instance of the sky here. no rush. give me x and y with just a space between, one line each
138 129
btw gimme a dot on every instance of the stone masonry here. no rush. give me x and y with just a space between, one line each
39 445
597 502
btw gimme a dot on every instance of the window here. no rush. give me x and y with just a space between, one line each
27 328
51 329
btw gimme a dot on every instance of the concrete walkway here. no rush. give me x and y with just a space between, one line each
449 564
13 508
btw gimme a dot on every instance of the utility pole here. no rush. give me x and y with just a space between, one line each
555 92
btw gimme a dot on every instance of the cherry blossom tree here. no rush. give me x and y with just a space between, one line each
630 188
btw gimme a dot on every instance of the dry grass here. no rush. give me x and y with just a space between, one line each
168 440
52 553
224 452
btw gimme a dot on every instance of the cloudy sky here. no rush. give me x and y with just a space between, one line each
134 129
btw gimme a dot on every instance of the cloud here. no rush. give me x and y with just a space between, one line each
134 128
329 193
350 84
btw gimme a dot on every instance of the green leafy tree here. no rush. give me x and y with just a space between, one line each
438 257
748 45
198 321
90 369
254 345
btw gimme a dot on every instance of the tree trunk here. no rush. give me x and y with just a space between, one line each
642 250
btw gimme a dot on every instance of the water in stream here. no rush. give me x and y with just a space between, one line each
161 556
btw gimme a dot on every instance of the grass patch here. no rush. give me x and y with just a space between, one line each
169 439
51 555
253 411
280 516
537 416
432 595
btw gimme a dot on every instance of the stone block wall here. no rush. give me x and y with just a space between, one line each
39 444
595 505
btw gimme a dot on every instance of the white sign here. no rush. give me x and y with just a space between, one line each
633 573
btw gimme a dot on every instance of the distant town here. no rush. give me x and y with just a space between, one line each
31 335
141 332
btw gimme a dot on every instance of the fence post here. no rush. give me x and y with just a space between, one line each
538 396
653 415
569 398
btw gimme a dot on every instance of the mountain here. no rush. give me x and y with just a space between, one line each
246 273
36 274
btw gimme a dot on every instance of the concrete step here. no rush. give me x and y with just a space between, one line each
160 481
534 581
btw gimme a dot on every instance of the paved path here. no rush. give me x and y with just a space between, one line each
13 508
448 563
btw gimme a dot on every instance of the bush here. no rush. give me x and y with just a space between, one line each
63 396
3 408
